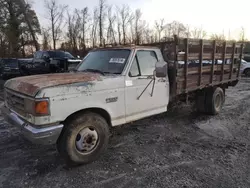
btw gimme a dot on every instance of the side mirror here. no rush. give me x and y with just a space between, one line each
161 69
46 57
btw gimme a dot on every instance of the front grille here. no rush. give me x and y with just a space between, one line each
15 102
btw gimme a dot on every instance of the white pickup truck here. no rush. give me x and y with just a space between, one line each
245 68
114 86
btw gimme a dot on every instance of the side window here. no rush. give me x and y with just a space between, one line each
45 54
147 61
134 70
38 55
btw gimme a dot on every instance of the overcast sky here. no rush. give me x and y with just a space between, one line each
212 15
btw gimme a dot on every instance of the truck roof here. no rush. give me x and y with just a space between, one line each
129 47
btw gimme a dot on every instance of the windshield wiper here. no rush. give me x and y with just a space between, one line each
93 70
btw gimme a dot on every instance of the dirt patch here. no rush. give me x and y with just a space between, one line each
176 149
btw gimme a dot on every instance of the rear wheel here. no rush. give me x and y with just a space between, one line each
214 101
84 139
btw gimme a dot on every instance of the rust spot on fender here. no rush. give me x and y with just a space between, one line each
30 85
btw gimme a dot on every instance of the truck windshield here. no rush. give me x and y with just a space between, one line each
68 55
106 61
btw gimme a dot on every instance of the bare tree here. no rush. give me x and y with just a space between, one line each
131 37
147 34
203 34
198 33
168 30
94 27
84 15
73 29
178 29
218 37
56 15
187 32
242 35
102 7
195 33
138 15
159 25
45 39
125 16
119 24
110 32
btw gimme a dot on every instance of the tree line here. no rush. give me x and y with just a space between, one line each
78 30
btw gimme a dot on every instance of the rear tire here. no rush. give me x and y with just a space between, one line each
214 101
83 139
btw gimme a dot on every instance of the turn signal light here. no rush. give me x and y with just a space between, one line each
42 107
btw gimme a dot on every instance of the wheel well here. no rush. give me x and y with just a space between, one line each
246 70
99 111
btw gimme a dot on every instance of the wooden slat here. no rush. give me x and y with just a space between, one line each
196 42
213 61
200 62
241 53
175 65
232 63
186 62
207 42
205 69
223 60
206 56
193 86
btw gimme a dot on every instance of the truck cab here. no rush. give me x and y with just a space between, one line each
118 83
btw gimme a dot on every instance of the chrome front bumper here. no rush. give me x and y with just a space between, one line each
45 136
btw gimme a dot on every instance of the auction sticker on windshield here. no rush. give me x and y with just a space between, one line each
117 60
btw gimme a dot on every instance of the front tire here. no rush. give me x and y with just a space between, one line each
83 139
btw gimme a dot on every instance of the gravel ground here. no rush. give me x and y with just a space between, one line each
176 149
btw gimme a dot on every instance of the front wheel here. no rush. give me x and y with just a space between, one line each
84 139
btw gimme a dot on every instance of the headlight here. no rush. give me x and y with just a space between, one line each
37 107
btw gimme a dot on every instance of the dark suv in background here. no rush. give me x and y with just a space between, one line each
9 67
49 62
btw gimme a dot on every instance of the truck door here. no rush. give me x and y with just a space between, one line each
145 95
33 66
45 63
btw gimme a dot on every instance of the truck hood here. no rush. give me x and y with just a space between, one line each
31 85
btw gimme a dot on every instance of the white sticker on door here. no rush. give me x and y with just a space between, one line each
117 60
129 83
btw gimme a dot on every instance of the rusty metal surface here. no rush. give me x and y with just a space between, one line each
30 85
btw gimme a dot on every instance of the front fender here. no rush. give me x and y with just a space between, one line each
62 108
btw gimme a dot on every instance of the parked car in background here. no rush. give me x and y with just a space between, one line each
9 68
245 68
247 57
50 62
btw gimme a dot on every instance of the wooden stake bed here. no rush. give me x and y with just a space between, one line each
197 64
